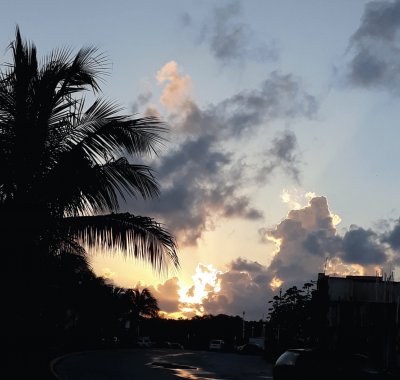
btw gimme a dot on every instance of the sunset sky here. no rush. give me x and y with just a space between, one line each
282 158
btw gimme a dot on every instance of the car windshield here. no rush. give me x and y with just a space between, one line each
288 358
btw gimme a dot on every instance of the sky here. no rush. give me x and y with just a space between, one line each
281 159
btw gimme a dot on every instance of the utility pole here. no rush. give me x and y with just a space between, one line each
243 325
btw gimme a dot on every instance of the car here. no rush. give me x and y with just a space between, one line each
313 364
144 342
167 344
162 344
216 344
109 341
249 349
176 345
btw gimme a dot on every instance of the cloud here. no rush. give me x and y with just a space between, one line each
198 187
279 96
178 86
230 40
375 48
141 100
203 177
393 237
185 19
294 261
363 247
308 240
167 295
307 243
283 154
243 287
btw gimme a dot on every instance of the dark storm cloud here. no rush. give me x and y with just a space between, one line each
231 40
375 47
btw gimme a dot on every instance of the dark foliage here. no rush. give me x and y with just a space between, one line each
65 167
290 322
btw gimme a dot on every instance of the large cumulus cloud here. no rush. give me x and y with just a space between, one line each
307 244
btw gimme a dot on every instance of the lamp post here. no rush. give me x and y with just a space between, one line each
243 326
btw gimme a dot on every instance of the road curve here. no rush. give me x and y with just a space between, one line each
159 364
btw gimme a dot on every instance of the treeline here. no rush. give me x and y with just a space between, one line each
196 333
293 319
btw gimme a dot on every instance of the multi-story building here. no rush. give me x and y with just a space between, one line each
360 314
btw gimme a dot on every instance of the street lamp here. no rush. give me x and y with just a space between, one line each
243 326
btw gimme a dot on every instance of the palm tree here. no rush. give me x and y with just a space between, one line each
65 168
141 304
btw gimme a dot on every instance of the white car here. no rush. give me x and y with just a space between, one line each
216 344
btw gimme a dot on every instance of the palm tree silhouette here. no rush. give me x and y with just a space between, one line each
140 303
65 168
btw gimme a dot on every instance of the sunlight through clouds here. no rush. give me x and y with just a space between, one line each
205 281
275 283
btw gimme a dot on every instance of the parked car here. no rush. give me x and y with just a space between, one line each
249 349
167 344
162 344
176 346
314 364
109 341
216 344
144 342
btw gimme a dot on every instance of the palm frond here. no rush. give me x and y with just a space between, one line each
136 236
105 134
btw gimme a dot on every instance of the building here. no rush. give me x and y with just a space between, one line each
360 314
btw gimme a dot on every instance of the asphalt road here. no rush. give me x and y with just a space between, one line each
160 364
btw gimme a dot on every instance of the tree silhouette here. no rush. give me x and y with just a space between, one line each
140 304
290 323
65 167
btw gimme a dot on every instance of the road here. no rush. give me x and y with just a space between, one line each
160 364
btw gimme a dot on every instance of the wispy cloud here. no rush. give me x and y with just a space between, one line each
283 154
374 48
229 38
